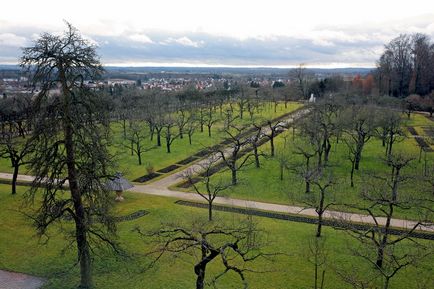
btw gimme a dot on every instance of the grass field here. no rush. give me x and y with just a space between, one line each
20 251
158 158
181 148
264 184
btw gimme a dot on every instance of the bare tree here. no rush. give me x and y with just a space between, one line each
390 123
229 117
181 120
135 139
16 151
271 132
320 199
302 77
360 128
307 171
191 126
255 142
69 143
237 248
210 189
284 163
202 116
170 137
396 61
243 99
317 256
352 153
231 156
386 253
385 195
210 118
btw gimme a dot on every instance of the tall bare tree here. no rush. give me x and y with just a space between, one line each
69 141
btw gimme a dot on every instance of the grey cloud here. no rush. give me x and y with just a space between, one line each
351 45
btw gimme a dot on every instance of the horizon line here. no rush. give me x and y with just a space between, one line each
190 65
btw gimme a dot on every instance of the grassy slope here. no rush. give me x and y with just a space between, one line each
20 251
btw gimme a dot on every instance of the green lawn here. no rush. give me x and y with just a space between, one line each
20 251
264 184
420 122
158 158
181 148
417 119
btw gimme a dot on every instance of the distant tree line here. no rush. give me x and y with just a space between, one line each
407 66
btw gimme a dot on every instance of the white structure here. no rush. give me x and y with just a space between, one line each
312 98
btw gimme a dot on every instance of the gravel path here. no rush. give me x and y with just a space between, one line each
161 188
151 189
13 280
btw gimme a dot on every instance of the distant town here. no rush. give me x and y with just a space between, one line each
13 81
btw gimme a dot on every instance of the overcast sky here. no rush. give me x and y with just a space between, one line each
327 33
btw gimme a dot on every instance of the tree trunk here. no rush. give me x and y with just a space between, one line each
352 174
200 273
14 178
272 144
322 279
390 144
327 148
80 221
380 256
189 139
255 150
320 152
124 127
382 245
420 154
151 131
168 145
209 130
210 211
80 216
234 176
320 212
319 227
386 283
357 158
159 138
139 155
